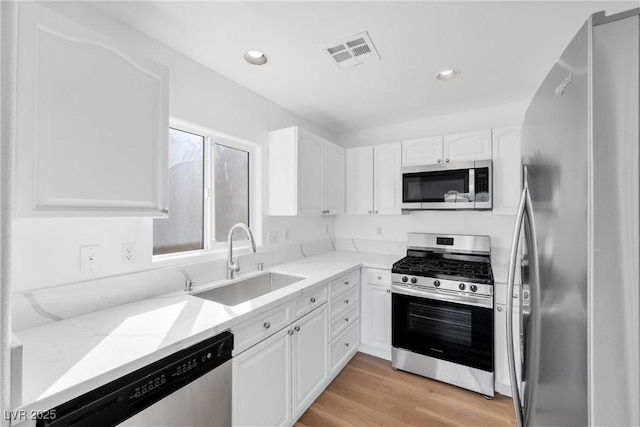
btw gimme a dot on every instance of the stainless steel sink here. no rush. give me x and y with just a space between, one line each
247 289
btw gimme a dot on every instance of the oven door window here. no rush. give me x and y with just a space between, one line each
457 333
432 186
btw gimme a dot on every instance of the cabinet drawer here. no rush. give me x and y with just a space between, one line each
309 300
343 283
343 347
343 302
260 327
341 322
379 276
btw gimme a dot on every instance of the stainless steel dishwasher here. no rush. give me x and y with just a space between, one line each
189 388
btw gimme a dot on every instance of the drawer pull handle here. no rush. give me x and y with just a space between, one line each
388 291
312 299
267 325
346 344
346 319
346 283
296 328
290 332
379 277
499 308
515 296
346 301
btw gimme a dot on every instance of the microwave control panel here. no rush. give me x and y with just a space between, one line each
482 180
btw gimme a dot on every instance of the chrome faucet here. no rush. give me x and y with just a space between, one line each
233 267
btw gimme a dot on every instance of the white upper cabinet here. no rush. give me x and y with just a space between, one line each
507 166
306 174
387 179
310 195
422 151
467 146
459 147
334 175
374 179
360 180
92 123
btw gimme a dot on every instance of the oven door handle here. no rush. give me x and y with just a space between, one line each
477 301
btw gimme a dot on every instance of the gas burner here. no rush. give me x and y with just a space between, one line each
452 258
441 268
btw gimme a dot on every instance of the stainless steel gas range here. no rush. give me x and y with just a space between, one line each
442 310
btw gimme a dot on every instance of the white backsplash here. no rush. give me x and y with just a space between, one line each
372 246
41 306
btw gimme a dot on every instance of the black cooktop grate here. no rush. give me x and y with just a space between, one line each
445 268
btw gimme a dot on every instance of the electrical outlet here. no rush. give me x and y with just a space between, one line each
379 232
128 253
285 234
326 229
89 258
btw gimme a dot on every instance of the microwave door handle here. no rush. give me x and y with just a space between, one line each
472 184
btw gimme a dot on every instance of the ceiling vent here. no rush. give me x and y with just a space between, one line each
352 51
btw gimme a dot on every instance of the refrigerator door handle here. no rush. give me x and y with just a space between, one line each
515 392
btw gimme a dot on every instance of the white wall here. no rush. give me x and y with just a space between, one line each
365 228
490 117
46 252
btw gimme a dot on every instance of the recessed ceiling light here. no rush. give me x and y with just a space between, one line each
255 57
447 74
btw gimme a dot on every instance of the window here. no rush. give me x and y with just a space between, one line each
209 191
183 230
231 189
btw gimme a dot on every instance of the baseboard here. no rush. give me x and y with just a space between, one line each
503 389
375 351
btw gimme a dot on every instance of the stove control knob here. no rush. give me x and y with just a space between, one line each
405 278
462 286
436 283
414 280
473 288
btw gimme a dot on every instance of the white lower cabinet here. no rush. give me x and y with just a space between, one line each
344 322
276 380
277 375
261 383
376 313
343 347
309 359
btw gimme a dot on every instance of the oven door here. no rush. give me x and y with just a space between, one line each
447 330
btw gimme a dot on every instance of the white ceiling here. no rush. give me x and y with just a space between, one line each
503 50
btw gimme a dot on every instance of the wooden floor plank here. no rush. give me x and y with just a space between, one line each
369 392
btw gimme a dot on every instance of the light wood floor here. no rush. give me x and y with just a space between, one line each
368 392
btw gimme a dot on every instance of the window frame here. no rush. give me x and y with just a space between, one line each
211 247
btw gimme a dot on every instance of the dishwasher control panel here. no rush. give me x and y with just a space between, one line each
122 398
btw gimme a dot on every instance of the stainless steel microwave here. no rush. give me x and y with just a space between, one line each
456 185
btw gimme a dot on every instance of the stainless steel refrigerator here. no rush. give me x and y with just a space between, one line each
580 245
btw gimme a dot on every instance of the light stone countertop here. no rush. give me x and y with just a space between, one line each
66 359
